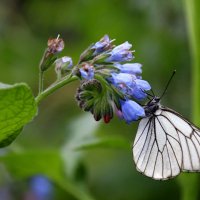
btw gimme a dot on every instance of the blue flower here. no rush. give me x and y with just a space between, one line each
129 84
102 45
87 71
41 187
123 81
121 53
138 90
123 78
130 68
131 111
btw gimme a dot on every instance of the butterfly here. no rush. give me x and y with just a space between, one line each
166 143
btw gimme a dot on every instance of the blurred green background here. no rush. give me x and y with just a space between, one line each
157 30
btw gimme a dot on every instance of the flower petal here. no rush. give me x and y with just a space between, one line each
131 68
131 111
144 85
121 53
102 45
125 78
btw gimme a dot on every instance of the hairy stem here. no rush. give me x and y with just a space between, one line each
40 81
55 87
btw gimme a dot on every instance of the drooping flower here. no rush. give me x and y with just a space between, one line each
131 110
131 68
138 90
127 79
129 84
120 53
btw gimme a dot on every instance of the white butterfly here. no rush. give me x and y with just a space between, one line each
166 143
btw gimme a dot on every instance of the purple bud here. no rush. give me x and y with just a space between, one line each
102 45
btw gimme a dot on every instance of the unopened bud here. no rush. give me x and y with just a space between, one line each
54 46
87 54
101 58
91 97
62 65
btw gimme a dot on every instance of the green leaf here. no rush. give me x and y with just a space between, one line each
103 142
24 165
17 108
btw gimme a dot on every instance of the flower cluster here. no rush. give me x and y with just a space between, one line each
109 83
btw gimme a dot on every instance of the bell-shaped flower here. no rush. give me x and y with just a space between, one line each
125 78
123 81
120 53
130 68
138 90
129 84
131 110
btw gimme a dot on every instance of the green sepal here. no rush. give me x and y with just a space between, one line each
47 60
87 54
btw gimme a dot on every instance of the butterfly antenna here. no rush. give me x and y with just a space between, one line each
149 95
153 92
168 84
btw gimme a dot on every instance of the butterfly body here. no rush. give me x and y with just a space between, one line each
152 106
166 143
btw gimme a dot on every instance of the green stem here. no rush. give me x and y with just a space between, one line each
41 73
55 87
189 183
193 16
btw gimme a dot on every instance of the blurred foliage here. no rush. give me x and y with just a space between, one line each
157 31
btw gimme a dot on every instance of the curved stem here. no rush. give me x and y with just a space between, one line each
55 87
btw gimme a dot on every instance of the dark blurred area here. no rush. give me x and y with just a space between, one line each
157 31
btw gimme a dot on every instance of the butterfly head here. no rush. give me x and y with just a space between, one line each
152 106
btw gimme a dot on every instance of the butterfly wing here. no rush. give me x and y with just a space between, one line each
166 144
